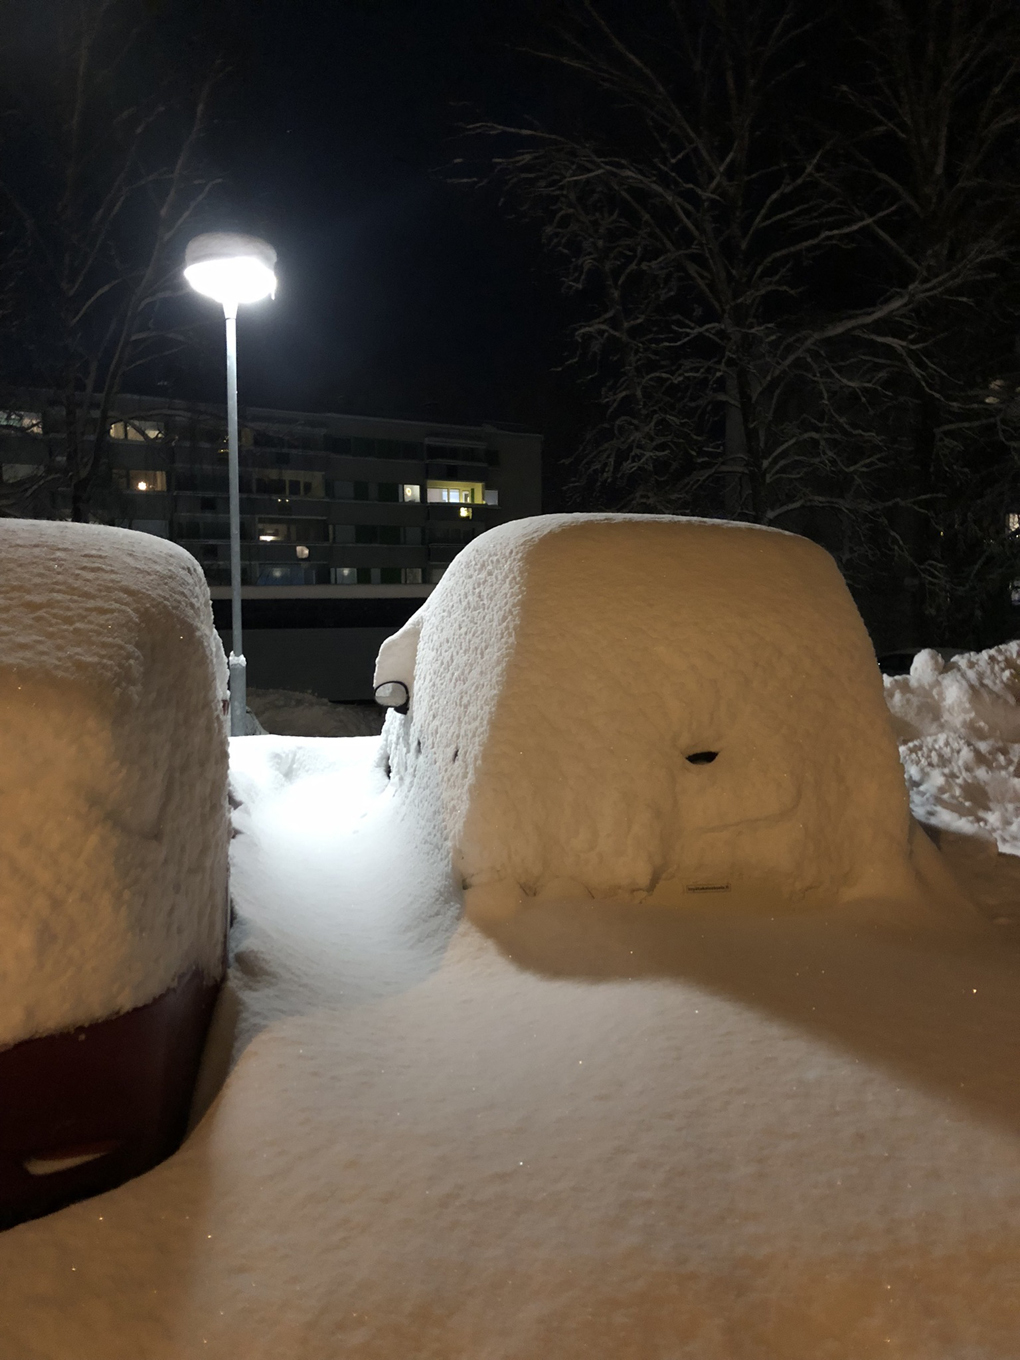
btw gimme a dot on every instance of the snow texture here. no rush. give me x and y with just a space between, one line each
608 1132
639 707
113 813
958 723
290 713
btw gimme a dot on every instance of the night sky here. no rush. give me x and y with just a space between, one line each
401 293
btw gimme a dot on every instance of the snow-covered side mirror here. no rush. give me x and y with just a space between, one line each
393 694
394 666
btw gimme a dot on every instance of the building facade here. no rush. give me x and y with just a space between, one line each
347 522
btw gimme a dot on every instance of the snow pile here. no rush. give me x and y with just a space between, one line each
958 723
113 816
290 713
639 707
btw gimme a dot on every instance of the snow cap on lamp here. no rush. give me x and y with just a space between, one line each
230 267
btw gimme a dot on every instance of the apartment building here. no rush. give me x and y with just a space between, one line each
347 522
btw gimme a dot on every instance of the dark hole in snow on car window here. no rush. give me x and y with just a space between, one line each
701 757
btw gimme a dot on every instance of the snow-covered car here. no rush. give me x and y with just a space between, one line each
113 854
648 708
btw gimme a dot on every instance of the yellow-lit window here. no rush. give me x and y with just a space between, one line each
138 431
139 479
1013 523
456 493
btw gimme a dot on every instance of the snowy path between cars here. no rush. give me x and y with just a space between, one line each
636 1135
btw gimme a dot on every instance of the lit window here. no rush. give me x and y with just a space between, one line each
410 493
138 431
1014 593
301 551
269 538
29 421
465 512
455 493
140 479
1013 522
148 481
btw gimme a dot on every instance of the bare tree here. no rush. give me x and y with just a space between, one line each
936 160
103 176
698 213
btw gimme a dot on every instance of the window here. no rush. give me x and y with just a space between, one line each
270 486
456 493
1013 523
147 481
410 493
29 421
138 431
140 479
306 484
281 576
450 531
207 528
205 481
377 533
159 527
293 531
388 491
412 576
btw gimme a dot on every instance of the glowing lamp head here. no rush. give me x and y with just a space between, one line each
230 268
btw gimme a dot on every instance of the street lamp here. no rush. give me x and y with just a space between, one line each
232 269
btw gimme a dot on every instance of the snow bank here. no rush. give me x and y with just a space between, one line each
113 817
638 706
958 723
289 713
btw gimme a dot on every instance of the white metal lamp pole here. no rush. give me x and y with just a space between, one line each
232 269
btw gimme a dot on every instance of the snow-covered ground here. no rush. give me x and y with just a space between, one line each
592 1128
633 1133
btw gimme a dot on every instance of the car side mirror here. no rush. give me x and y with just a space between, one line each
393 694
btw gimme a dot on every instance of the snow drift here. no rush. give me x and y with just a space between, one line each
648 707
113 812
958 724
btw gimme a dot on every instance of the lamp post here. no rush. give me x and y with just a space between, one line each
232 269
